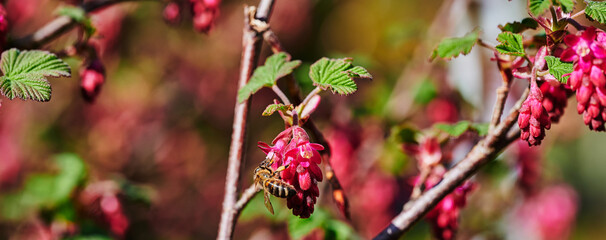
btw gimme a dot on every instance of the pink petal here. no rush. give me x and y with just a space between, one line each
304 180
569 55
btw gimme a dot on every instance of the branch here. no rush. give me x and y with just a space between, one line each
59 26
480 155
247 195
250 52
338 194
502 93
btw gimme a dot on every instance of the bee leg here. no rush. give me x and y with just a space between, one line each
267 202
280 169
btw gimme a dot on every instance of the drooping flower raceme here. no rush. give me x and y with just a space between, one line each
444 218
588 52
533 118
300 158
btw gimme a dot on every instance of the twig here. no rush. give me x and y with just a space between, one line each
578 14
59 26
280 94
479 156
247 195
487 45
310 95
338 194
250 52
502 92
271 39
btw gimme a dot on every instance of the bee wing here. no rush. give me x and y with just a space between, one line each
267 202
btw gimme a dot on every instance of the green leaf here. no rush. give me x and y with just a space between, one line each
456 129
518 27
338 230
511 44
300 227
276 67
537 7
425 92
272 108
480 128
25 71
558 69
404 134
72 172
567 5
452 47
596 11
337 74
78 15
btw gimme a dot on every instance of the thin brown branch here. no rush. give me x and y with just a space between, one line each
59 26
250 52
579 13
280 94
502 92
271 39
482 43
480 155
338 194
247 195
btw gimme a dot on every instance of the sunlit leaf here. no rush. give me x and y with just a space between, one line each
276 67
452 47
25 73
558 69
596 10
337 74
511 44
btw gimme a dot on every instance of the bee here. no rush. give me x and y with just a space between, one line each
270 182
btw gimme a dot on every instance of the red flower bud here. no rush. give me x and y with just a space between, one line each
172 13
91 80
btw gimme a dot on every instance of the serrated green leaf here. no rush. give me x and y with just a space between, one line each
25 71
454 130
272 108
276 66
537 7
511 44
518 27
337 74
452 47
480 128
596 10
567 5
558 69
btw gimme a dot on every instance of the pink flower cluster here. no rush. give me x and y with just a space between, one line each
92 78
550 214
444 218
533 118
293 150
588 52
555 99
3 25
205 13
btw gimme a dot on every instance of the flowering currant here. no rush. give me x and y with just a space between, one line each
3 25
588 53
300 158
533 118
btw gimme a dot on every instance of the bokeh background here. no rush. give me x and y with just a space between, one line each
147 159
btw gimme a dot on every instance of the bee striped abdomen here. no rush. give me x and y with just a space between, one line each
279 188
